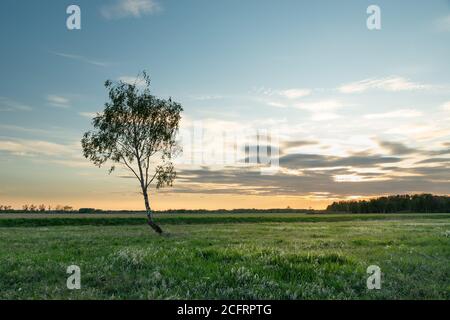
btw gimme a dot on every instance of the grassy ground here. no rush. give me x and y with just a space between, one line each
291 256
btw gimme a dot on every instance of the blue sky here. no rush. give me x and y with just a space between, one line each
311 68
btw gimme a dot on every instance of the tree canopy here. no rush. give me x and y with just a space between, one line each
137 131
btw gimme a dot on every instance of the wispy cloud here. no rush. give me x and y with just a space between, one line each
291 93
35 147
276 104
446 106
322 110
320 106
58 101
7 104
393 83
130 8
325 116
297 143
403 113
81 59
397 148
279 98
204 97
418 131
294 93
88 115
10 128
443 23
42 151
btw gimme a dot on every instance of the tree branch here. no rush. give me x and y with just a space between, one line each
153 178
129 167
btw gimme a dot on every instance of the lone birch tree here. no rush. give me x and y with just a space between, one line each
138 132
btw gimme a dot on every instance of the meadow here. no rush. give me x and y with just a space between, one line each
219 256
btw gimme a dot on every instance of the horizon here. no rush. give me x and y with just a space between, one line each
350 113
60 207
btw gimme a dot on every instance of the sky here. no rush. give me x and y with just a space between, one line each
354 113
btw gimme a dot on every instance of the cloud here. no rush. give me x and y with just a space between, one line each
356 178
321 110
8 105
403 113
446 106
419 131
75 163
81 59
7 127
34 147
438 152
319 106
333 183
326 116
443 23
437 173
297 143
58 101
276 104
294 93
435 160
130 8
400 149
88 115
289 94
302 161
393 83
397 148
279 98
45 152
205 97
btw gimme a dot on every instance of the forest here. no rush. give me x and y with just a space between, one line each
423 203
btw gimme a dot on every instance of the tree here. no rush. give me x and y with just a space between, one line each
136 130
67 208
397 203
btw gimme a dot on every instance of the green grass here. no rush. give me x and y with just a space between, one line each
282 256
36 220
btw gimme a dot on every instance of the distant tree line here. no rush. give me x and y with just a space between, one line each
422 203
195 211
26 208
251 210
68 209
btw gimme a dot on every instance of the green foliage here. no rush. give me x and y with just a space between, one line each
398 203
138 131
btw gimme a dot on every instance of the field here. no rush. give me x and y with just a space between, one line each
239 256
